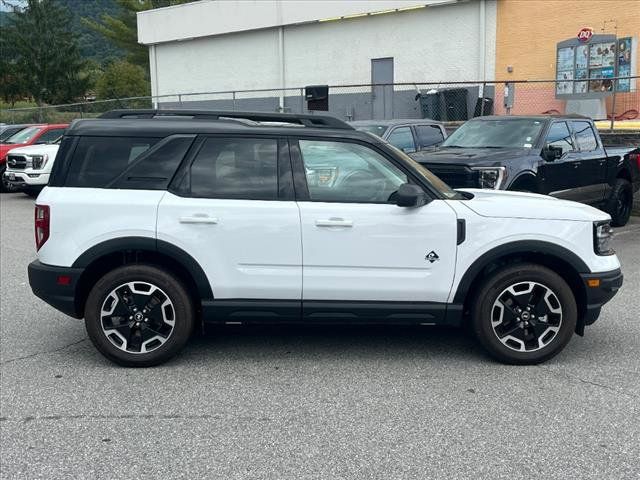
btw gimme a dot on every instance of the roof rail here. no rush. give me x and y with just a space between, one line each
315 121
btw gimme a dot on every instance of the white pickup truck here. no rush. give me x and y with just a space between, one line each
28 168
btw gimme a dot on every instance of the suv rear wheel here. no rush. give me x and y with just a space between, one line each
139 315
524 314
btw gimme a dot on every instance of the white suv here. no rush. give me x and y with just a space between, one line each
152 224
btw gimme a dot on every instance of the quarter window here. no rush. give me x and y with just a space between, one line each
585 138
243 168
50 136
429 135
559 136
97 161
348 173
402 138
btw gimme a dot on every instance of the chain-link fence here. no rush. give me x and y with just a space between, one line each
603 99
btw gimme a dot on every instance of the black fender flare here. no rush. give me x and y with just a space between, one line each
522 246
124 244
526 175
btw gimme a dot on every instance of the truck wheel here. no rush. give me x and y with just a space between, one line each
5 186
139 315
620 203
524 314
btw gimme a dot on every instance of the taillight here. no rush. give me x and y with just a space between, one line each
42 225
635 157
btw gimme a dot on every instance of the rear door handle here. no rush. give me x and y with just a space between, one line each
334 222
199 218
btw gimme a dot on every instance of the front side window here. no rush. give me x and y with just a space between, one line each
402 138
429 135
236 168
585 138
559 136
97 161
348 173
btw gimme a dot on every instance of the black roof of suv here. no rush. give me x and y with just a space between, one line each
161 123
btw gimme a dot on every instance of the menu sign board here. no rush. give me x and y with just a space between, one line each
587 66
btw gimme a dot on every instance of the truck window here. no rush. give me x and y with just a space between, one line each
559 136
585 137
429 135
402 138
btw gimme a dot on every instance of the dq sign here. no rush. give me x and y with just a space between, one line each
585 34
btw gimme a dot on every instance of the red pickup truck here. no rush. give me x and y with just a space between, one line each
33 135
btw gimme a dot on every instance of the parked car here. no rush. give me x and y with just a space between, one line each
559 155
7 131
409 135
150 226
33 135
28 168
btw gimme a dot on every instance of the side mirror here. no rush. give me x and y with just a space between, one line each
409 195
551 153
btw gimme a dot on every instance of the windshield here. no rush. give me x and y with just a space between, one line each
429 177
375 129
8 132
512 133
24 136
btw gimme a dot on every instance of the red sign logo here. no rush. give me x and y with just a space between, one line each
585 34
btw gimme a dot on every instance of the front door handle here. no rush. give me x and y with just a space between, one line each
199 218
334 222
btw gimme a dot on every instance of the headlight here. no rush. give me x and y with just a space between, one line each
602 235
491 177
39 161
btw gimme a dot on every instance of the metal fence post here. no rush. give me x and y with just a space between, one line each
234 100
613 105
301 100
180 100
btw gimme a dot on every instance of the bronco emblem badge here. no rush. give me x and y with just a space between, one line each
432 256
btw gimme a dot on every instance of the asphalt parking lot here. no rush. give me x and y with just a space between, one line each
295 403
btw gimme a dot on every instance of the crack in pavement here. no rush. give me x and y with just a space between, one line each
588 382
11 360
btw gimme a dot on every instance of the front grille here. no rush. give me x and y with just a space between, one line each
456 176
16 162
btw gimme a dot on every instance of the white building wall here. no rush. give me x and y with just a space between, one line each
428 44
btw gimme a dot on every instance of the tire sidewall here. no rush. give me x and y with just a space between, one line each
496 285
171 286
621 187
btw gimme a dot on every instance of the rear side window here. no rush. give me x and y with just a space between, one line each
429 135
242 168
585 138
97 161
50 136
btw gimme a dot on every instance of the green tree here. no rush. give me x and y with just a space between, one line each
122 30
121 80
45 52
12 86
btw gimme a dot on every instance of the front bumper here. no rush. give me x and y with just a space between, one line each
56 286
599 288
23 179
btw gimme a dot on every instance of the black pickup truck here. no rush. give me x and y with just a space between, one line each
558 155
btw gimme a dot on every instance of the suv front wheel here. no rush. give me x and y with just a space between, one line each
524 314
139 315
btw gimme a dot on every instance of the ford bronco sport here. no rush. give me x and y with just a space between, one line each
155 221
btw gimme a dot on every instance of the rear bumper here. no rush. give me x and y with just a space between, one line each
608 284
50 284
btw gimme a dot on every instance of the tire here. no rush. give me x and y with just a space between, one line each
620 203
530 336
131 335
33 192
5 186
